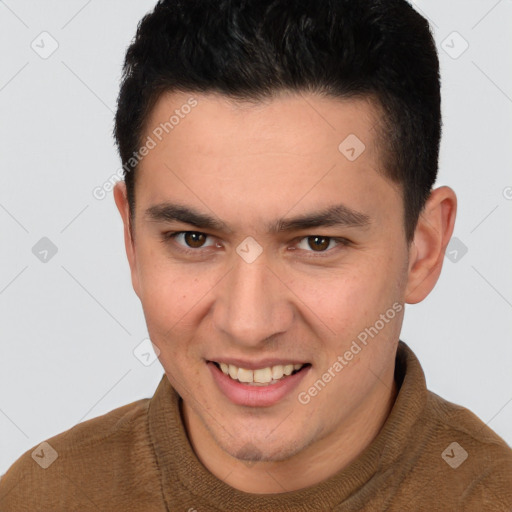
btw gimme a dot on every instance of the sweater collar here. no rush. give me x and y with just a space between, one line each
187 483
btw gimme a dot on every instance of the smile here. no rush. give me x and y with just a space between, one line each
257 387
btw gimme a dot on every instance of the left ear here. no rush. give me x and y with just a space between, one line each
432 234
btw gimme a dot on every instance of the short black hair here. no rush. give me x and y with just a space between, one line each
253 49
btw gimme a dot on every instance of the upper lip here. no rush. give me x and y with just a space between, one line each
255 365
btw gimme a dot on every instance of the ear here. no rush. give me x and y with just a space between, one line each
432 234
121 199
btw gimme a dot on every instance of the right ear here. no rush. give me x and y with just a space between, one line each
121 199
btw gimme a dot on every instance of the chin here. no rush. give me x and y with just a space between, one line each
253 449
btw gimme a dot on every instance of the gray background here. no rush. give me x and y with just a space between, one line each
70 323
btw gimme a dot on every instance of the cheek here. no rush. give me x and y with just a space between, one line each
350 298
170 302
167 292
169 299
375 303
175 298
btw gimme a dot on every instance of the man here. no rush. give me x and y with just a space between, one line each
278 214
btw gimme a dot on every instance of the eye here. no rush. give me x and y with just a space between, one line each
189 239
320 244
317 243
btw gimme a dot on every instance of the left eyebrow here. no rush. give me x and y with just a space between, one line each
336 215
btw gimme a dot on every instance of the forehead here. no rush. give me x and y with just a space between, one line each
296 121
294 149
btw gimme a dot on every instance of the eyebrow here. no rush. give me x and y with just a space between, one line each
336 215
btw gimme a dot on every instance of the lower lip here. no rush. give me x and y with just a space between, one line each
256 396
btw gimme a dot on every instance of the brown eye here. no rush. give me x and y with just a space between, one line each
318 243
194 239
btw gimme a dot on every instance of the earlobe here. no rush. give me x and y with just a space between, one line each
121 200
432 234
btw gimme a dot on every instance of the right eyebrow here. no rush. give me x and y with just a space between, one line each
168 212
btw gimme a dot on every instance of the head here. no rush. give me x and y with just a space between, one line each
279 161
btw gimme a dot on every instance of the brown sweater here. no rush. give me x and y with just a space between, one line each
138 458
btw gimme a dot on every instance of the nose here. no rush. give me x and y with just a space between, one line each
252 305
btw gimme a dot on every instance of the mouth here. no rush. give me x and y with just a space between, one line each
258 387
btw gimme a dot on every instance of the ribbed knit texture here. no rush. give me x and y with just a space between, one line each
138 458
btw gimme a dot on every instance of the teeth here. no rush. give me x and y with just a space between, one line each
233 371
277 372
261 376
245 375
288 369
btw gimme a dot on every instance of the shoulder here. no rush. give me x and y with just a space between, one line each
459 421
82 465
467 456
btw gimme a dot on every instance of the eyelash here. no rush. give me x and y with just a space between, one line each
343 242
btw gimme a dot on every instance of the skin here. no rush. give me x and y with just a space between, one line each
248 165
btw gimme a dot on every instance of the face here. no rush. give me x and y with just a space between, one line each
260 243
